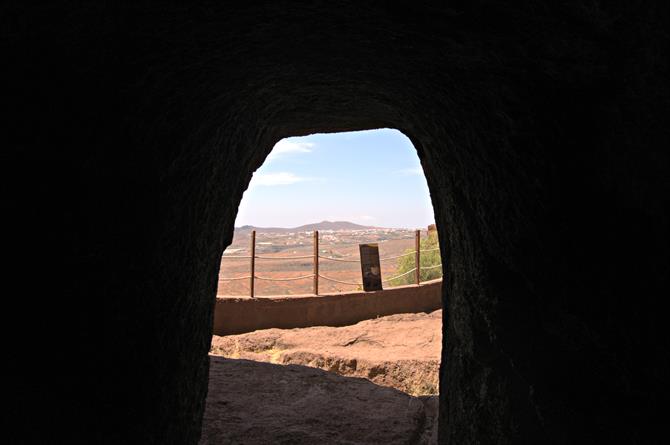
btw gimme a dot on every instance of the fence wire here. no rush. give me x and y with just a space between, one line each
304 257
339 259
233 279
398 256
398 276
283 279
338 281
284 257
358 260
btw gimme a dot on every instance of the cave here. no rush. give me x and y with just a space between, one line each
542 131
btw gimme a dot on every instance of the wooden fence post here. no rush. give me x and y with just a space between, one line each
316 262
253 263
417 258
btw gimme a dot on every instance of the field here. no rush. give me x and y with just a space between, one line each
340 244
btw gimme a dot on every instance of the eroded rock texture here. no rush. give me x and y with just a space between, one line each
542 131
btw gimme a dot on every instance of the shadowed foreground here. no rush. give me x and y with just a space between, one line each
260 403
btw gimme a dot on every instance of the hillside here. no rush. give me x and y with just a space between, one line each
323 225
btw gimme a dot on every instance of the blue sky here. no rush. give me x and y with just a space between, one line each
368 177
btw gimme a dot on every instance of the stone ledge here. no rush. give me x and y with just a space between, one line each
237 315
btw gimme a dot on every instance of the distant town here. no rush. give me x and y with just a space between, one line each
333 234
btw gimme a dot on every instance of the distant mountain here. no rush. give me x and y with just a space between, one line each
323 225
332 225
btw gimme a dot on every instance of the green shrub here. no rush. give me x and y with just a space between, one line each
430 256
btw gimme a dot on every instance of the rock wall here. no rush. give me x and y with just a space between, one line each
542 131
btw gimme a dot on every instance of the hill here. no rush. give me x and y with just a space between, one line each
323 225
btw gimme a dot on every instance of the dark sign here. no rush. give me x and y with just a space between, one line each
372 273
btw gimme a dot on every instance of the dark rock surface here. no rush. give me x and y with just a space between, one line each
255 403
542 129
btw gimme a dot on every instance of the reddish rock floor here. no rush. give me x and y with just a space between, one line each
258 403
268 389
401 351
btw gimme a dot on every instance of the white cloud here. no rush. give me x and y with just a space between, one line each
285 146
279 178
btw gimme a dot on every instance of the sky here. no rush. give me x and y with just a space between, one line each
371 177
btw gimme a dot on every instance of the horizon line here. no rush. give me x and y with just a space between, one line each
329 221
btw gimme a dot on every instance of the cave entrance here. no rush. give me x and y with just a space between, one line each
353 188
314 201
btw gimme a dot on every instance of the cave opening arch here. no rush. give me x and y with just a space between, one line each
270 142
499 162
209 419
209 167
372 178
544 142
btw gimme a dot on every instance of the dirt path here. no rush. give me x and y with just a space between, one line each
400 351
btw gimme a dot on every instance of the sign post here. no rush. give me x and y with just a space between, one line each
370 268
316 262
252 248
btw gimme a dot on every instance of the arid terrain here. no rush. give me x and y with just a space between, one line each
338 244
376 382
256 403
401 351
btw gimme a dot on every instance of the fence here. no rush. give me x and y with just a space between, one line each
315 275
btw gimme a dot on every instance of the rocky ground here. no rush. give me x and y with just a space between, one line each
267 388
258 403
401 351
